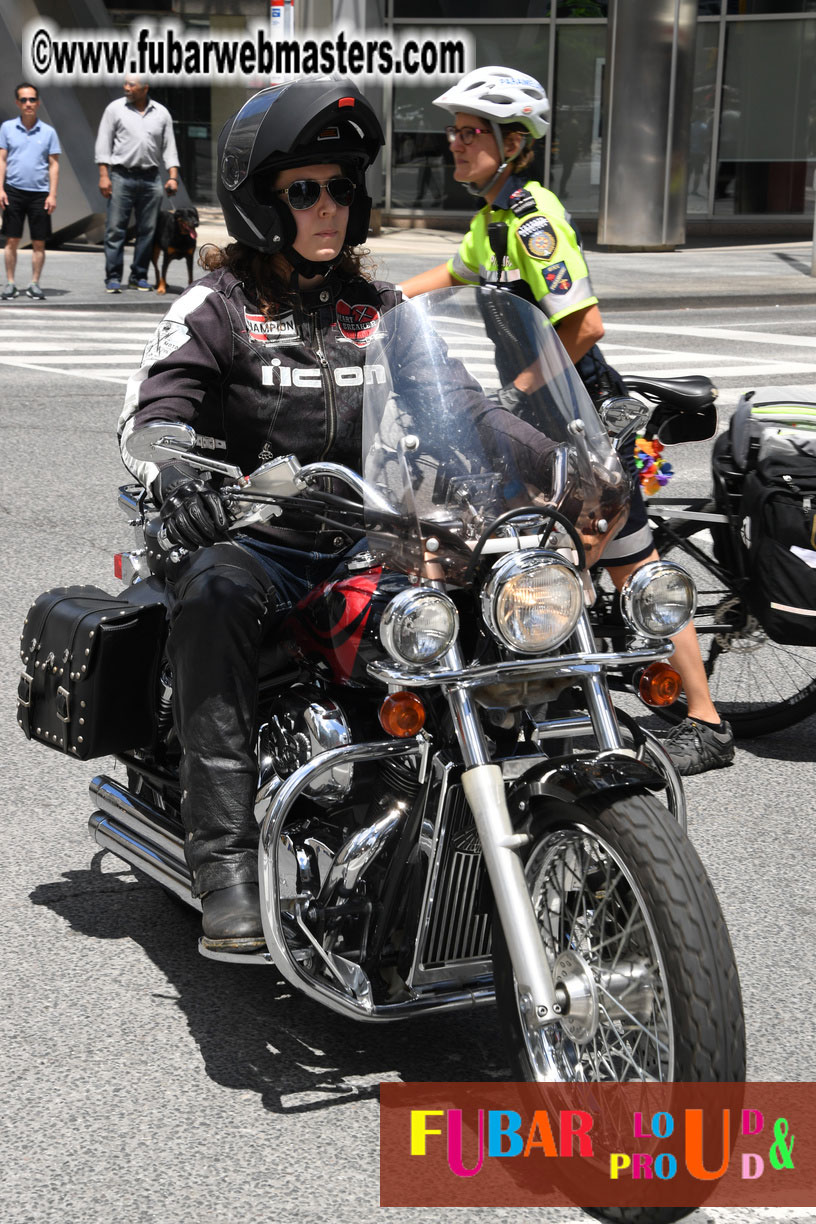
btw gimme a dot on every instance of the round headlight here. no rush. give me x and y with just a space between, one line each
659 599
419 626
532 601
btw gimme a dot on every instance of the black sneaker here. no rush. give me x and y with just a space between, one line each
696 747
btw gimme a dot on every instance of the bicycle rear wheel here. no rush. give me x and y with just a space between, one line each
758 685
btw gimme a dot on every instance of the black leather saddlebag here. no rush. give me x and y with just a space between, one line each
90 672
779 502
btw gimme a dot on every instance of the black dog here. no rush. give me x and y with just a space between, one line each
176 237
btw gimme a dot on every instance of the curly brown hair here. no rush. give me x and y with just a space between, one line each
267 278
526 152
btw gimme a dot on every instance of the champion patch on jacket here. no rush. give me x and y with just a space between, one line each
280 329
358 324
558 278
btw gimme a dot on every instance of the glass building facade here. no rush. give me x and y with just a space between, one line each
752 138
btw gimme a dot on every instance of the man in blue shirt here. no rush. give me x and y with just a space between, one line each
29 172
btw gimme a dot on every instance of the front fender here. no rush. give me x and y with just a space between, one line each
572 778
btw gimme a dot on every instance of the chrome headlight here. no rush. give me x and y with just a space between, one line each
659 599
419 626
532 601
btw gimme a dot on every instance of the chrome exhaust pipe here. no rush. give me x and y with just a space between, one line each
358 853
134 831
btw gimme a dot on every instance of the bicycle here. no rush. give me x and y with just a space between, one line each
759 685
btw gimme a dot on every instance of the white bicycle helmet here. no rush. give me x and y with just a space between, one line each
500 95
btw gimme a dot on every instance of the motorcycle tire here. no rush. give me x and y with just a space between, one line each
757 685
658 872
629 849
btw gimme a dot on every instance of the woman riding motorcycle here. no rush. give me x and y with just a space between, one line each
265 356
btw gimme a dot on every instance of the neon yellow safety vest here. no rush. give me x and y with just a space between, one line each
544 261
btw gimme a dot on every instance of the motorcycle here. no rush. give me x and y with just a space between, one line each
422 847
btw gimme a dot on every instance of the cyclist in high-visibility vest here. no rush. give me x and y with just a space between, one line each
523 240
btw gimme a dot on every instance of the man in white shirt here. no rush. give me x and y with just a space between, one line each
135 136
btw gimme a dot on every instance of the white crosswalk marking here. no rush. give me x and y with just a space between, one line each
93 344
104 346
717 333
744 356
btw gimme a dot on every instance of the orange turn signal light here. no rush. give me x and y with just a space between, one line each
659 685
402 714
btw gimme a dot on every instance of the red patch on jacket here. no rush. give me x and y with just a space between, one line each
358 324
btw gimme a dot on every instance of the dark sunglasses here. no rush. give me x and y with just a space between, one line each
28 99
467 135
304 193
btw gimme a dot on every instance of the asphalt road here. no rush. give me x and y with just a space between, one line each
145 1083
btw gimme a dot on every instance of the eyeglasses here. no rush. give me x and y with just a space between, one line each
33 101
304 193
467 135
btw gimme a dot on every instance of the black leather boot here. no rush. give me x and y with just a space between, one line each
219 611
232 918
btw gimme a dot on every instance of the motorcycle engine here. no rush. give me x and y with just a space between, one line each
303 724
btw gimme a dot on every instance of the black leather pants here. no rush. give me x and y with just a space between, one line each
223 601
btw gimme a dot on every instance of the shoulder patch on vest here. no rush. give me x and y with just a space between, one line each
522 202
558 278
538 237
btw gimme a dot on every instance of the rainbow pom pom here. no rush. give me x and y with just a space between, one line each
653 469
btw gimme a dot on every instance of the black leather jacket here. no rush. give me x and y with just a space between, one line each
254 388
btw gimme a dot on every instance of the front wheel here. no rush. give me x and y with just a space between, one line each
640 954
638 948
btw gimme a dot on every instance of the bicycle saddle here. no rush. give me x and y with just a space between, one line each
692 393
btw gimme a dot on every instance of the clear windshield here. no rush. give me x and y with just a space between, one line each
452 445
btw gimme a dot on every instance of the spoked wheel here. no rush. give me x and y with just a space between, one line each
640 954
756 684
637 942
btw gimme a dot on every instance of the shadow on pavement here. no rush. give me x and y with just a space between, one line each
22 300
793 744
799 264
253 1031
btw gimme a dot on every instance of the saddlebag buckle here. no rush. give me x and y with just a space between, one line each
24 689
63 705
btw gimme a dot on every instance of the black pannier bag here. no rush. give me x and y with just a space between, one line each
90 672
779 504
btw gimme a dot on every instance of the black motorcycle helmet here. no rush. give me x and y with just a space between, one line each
306 122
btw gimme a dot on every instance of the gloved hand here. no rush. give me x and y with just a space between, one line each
524 448
510 397
193 514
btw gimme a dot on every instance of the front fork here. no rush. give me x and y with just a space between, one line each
483 784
